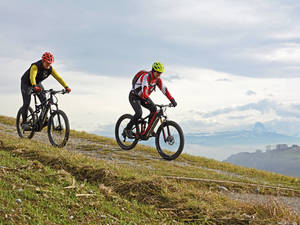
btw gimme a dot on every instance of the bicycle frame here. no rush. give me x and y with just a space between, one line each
144 134
42 109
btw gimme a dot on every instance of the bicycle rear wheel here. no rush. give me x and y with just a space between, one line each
30 120
169 140
123 141
58 129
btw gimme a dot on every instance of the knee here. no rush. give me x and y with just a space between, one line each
153 109
26 103
138 114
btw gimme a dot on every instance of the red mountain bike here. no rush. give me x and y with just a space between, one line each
169 139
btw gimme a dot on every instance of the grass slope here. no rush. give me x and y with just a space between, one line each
40 184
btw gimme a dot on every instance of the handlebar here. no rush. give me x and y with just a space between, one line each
51 91
164 106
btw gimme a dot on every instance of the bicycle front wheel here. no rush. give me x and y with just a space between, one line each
123 141
30 120
58 129
169 140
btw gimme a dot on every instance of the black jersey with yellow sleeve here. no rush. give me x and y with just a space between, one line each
37 73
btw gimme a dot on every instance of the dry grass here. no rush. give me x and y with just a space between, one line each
145 194
181 201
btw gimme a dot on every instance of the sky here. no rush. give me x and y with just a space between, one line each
229 64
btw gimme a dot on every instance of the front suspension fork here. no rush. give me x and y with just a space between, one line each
163 130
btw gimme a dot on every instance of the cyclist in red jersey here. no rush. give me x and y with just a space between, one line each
32 80
141 90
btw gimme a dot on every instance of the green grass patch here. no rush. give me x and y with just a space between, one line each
40 184
88 147
59 187
32 192
8 120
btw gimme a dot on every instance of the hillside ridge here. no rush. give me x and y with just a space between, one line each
282 159
156 176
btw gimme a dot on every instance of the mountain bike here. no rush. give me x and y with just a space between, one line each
169 139
58 123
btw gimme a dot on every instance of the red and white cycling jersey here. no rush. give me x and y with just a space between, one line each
146 84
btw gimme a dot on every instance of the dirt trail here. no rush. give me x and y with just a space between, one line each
111 152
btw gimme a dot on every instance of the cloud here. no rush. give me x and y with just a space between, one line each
217 13
238 117
278 117
223 80
264 106
200 125
173 77
287 53
100 36
214 52
287 34
249 92
287 126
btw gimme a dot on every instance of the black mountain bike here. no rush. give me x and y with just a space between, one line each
169 139
58 123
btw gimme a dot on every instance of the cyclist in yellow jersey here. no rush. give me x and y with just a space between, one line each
32 80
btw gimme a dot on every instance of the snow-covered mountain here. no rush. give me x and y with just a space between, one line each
257 135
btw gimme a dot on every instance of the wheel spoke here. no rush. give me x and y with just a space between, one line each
125 142
30 121
169 144
58 129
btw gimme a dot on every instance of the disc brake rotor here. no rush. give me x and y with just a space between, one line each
170 140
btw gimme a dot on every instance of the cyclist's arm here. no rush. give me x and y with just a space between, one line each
164 89
58 78
33 73
145 86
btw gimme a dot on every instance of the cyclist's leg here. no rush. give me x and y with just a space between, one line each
149 104
135 102
26 95
41 95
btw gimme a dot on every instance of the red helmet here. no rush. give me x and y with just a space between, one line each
48 57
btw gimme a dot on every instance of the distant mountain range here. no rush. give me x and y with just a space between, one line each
282 159
259 135
221 145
